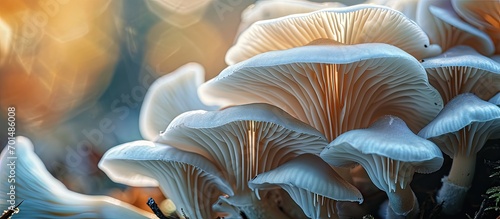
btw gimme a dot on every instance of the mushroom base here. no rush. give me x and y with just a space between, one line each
403 201
452 196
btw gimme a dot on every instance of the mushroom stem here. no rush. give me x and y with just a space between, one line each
403 201
455 186
261 209
462 170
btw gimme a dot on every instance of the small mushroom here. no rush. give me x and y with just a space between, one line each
461 130
44 196
463 70
311 183
390 153
244 141
348 25
170 96
190 180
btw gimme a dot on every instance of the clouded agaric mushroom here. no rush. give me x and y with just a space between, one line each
46 197
268 9
311 183
461 130
390 153
334 88
190 180
170 96
350 25
462 70
445 28
484 14
244 141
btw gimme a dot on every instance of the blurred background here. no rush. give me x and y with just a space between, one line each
77 72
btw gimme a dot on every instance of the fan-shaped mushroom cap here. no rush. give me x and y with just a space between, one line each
484 14
169 96
189 179
243 141
390 153
311 183
445 28
46 197
269 9
334 88
349 25
463 70
495 99
464 125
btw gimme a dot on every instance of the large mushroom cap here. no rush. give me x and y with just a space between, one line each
189 179
170 96
335 88
466 111
309 181
46 197
388 151
243 140
350 25
463 70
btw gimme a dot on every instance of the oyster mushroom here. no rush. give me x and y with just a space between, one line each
461 130
311 183
169 96
390 153
244 141
190 180
445 28
463 70
349 25
46 197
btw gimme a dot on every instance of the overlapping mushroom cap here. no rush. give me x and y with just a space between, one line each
190 180
463 70
169 96
350 25
334 88
445 28
390 153
311 183
243 141
46 197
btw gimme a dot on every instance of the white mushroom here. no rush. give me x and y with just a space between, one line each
190 180
445 28
390 153
244 141
46 197
463 70
311 183
461 130
349 25
169 96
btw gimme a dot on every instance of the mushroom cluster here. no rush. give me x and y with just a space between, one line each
317 100
340 86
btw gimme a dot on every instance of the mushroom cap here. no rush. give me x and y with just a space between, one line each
484 14
349 25
169 96
495 99
465 118
445 28
307 179
269 9
463 70
334 88
190 180
388 150
47 197
407 7
243 141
